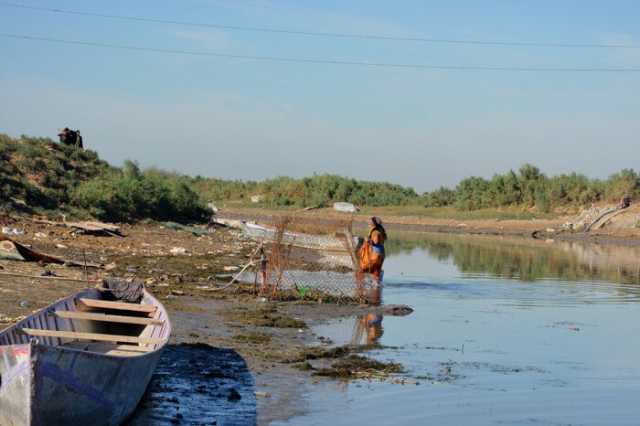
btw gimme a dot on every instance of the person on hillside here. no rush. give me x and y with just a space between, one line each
64 136
71 137
372 251
625 202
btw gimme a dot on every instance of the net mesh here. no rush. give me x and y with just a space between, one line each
307 259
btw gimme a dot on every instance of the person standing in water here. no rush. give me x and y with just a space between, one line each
372 255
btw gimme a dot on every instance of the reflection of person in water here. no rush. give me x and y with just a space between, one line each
368 329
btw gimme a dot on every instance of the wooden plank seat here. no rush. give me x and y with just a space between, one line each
92 336
109 348
97 316
118 306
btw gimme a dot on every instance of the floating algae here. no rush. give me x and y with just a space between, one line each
265 316
358 366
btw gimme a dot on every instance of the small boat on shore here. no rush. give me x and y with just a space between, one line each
84 360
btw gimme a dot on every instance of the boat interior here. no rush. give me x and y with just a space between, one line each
89 322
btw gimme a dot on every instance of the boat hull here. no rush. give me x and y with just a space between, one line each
75 387
47 381
58 386
15 385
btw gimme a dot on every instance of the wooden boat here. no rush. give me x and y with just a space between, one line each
83 360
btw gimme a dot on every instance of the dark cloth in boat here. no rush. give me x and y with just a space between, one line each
123 290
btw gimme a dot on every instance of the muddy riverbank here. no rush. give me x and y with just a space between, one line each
238 355
547 229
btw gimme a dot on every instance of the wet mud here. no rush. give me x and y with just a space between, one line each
197 384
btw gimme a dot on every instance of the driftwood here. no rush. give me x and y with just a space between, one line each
87 227
41 277
12 250
228 223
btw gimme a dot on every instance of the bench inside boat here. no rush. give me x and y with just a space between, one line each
88 322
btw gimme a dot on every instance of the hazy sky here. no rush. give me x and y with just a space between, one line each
249 119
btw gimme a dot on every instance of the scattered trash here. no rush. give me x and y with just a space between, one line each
302 291
178 250
231 223
179 227
132 269
9 320
24 304
61 246
12 231
345 207
231 268
40 235
177 292
48 273
88 227
111 266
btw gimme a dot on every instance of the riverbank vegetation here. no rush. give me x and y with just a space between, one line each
39 175
529 188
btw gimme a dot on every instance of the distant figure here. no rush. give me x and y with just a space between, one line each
70 137
625 202
263 270
372 251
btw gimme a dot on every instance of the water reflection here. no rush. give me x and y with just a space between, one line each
368 329
505 331
524 259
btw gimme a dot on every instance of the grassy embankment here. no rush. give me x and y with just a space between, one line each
39 175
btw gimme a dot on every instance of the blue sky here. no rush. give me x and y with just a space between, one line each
240 118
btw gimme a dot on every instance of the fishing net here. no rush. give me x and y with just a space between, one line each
307 258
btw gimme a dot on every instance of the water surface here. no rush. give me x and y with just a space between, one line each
505 332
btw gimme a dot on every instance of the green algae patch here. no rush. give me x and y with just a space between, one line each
255 337
304 366
357 366
264 316
337 351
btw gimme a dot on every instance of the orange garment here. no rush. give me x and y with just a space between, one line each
370 260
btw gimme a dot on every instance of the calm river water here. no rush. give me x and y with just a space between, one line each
505 332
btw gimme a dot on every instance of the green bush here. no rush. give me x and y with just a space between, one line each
531 188
129 195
